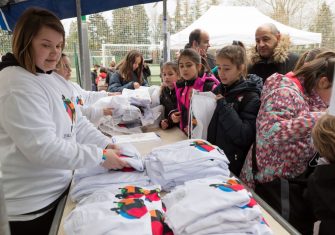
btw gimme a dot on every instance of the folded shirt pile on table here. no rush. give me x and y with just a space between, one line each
88 180
173 164
131 110
122 211
218 205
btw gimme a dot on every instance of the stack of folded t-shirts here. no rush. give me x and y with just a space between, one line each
128 210
217 205
89 180
173 164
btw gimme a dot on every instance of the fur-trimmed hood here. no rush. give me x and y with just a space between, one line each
281 52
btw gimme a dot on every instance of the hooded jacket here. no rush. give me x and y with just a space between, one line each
284 124
233 125
282 61
43 137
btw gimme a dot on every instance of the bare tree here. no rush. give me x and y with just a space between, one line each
280 10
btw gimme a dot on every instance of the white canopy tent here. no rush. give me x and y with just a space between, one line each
227 23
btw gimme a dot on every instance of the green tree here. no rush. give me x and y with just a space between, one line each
122 30
98 31
6 44
188 17
212 3
323 23
141 25
72 38
178 19
198 9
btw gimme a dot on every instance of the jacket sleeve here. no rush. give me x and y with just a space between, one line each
92 113
28 120
88 134
284 117
239 127
116 85
145 82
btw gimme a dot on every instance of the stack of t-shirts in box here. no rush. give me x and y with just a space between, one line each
173 164
218 205
89 180
128 210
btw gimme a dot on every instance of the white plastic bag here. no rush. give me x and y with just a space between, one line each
202 107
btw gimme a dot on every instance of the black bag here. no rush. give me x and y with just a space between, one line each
286 196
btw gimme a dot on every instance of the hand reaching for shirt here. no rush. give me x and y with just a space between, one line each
113 161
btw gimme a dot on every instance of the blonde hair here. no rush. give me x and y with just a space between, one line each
323 135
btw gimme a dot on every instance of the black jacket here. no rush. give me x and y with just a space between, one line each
8 60
233 125
321 195
169 100
117 83
266 67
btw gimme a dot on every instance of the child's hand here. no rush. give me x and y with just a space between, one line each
219 96
164 124
175 117
136 85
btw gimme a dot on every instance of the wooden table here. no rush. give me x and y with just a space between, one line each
275 221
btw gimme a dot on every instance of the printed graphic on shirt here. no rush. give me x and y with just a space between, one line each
79 101
131 208
202 145
70 109
138 192
251 204
231 185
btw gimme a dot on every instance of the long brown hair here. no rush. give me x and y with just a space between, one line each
125 67
27 27
321 66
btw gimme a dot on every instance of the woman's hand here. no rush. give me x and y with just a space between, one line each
107 111
116 148
175 117
113 161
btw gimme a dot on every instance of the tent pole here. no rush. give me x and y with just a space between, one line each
166 50
83 50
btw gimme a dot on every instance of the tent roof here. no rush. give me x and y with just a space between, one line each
11 10
227 23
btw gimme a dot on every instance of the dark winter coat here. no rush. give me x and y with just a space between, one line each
233 125
282 61
117 83
321 194
169 100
